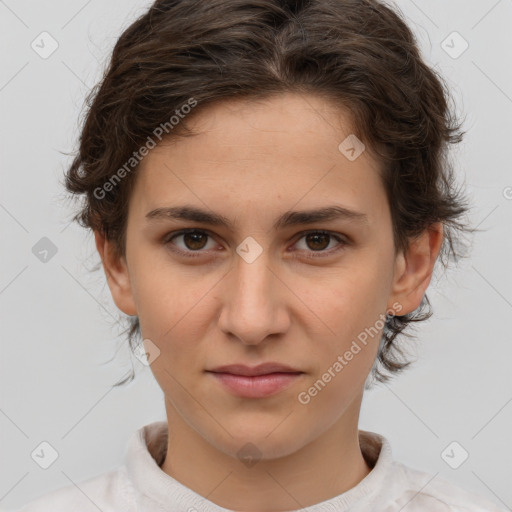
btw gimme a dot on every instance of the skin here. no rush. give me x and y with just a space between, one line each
251 162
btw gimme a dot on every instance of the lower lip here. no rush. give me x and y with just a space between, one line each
258 386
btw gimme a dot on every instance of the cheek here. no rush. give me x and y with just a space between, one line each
163 291
354 311
174 308
353 298
353 304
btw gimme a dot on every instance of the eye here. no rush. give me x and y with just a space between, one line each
194 242
316 243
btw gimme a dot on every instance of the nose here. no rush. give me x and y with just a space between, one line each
253 299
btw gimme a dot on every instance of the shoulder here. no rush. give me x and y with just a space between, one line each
422 491
107 492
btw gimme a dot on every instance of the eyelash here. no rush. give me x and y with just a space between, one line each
311 254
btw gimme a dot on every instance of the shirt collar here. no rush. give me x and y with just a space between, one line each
156 490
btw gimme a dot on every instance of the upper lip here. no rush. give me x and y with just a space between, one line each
261 369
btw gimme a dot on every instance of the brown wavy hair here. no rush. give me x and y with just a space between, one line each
359 54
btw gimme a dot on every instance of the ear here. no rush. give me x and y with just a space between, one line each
118 277
414 267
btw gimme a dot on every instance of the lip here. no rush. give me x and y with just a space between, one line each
259 381
251 371
258 386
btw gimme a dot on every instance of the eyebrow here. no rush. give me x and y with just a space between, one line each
288 219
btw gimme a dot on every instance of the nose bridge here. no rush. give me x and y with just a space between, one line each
253 281
252 309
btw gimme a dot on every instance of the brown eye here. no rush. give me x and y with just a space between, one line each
318 241
195 241
189 242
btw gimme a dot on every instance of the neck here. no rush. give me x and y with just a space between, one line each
318 471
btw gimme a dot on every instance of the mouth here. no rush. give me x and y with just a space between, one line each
256 386
254 371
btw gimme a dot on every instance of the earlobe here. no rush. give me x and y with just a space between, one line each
117 274
414 267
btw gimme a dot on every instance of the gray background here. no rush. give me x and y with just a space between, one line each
56 316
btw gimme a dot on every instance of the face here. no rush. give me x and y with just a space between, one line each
241 287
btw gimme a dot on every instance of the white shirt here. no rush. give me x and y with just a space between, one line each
140 485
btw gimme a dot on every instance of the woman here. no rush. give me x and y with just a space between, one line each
268 187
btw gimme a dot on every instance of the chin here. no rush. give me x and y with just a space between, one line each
263 442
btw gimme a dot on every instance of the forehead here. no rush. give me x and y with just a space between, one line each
270 125
270 153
